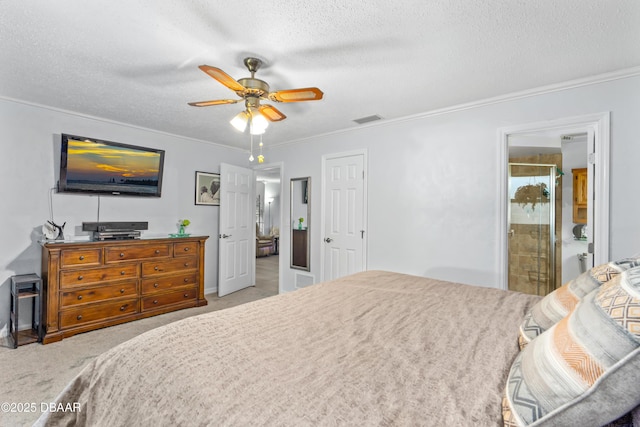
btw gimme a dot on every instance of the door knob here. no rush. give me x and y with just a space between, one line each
328 239
224 236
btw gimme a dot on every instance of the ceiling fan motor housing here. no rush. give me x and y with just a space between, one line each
253 87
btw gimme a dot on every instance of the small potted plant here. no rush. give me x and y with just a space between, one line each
182 224
300 221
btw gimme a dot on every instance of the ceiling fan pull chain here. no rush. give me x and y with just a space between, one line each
251 154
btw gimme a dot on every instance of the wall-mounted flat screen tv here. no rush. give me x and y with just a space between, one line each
94 166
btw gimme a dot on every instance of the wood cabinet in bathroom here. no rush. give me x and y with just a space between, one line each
579 195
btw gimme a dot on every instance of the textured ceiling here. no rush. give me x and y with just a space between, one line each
136 61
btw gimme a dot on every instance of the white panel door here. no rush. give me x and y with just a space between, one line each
344 225
237 230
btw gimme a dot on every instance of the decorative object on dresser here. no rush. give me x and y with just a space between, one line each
182 227
53 231
90 285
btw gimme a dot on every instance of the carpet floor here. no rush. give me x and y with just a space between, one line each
36 373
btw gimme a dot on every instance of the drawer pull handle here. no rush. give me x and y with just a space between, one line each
122 273
186 295
186 280
122 291
79 296
121 254
186 264
81 257
155 285
80 277
157 251
79 317
187 249
156 268
155 301
123 308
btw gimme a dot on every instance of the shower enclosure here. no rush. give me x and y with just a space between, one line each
532 228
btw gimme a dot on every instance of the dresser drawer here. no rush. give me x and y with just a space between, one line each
127 253
101 293
97 312
185 248
156 301
165 283
151 268
82 277
76 257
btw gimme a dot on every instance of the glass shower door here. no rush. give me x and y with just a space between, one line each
531 239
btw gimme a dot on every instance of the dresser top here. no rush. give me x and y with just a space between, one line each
53 244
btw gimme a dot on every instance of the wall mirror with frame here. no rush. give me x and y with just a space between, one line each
300 222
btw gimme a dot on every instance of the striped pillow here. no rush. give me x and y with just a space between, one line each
585 370
555 306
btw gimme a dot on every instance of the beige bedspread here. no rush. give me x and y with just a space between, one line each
375 348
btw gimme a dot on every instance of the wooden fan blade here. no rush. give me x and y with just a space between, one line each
271 113
222 77
297 95
215 102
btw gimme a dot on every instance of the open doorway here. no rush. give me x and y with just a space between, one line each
573 218
268 224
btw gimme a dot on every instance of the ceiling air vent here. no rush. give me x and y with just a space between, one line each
367 119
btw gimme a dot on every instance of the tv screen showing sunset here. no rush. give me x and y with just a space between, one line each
94 165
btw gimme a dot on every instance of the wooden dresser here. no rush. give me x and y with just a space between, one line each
90 285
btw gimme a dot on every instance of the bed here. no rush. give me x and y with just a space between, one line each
374 348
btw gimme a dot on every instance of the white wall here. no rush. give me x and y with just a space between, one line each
27 175
433 198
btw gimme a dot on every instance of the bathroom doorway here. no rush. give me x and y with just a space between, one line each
583 146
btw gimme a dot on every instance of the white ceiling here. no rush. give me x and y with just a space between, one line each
136 61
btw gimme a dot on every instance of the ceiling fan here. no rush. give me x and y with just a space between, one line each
252 91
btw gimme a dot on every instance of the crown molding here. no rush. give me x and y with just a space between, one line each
542 90
115 122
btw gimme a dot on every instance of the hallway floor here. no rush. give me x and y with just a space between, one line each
267 273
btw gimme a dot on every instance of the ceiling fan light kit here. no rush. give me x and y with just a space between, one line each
239 122
258 124
252 91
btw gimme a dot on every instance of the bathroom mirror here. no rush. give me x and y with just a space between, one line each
300 222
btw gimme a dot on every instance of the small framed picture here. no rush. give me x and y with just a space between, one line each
207 188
